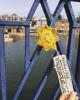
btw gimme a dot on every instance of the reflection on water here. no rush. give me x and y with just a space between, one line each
15 57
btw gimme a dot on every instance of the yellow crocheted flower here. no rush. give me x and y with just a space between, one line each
47 38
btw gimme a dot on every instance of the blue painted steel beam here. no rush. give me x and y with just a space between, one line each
28 65
72 21
2 65
46 11
69 12
73 80
27 73
46 76
14 23
43 80
49 17
36 53
57 11
27 47
70 46
32 10
77 70
27 32
42 85
56 91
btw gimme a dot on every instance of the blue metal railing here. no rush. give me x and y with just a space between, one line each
51 20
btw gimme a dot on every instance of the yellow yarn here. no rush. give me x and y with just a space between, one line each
48 38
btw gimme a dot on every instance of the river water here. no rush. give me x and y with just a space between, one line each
15 59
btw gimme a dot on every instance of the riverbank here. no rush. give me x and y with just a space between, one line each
13 37
17 36
34 34
7 38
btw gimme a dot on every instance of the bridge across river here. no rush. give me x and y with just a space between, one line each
51 20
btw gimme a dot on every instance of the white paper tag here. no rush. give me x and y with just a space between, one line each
63 72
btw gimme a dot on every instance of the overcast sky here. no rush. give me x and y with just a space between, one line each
22 7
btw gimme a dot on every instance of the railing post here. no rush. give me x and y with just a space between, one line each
2 64
70 47
72 21
77 70
27 47
27 33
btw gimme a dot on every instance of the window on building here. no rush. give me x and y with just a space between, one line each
9 30
33 23
18 30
